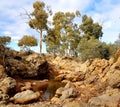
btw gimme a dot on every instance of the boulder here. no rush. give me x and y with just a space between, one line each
110 99
7 85
75 76
32 57
60 77
69 91
114 79
25 97
4 98
59 91
32 69
34 85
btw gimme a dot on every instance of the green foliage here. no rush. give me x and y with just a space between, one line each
112 49
38 21
65 36
90 29
52 42
93 48
4 40
39 16
117 42
27 41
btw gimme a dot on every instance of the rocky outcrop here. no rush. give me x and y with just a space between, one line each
91 78
33 66
94 83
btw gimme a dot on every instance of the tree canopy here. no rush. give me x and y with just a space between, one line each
91 29
63 37
68 36
93 48
27 41
4 40
38 19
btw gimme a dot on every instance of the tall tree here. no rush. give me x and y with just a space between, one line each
90 29
64 34
38 19
52 42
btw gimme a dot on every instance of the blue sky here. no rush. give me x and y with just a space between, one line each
13 22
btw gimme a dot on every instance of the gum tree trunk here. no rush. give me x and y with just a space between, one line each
40 41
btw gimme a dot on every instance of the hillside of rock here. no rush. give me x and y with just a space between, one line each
25 79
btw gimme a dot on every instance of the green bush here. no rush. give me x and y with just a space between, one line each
93 48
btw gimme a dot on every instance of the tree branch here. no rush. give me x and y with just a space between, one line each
29 16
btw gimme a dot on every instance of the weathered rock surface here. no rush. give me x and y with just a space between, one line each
73 104
25 97
2 72
4 98
34 85
94 83
7 85
68 91
32 66
110 99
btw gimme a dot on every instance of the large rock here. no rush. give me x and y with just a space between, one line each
69 91
110 99
28 68
114 79
34 85
7 85
75 76
114 74
4 98
25 97
66 62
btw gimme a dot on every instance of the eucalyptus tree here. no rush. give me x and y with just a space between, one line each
39 19
90 29
65 34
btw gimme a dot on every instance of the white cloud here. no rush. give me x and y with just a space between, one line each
7 33
68 5
106 12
